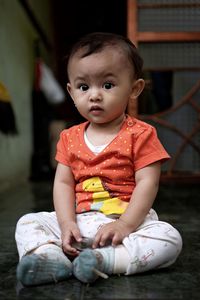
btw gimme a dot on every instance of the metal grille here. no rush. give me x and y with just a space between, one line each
169 19
168 16
168 2
170 55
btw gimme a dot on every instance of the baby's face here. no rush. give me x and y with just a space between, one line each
100 84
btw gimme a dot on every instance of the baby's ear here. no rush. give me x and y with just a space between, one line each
68 86
137 88
69 89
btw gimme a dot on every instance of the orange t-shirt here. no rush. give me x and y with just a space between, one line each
105 182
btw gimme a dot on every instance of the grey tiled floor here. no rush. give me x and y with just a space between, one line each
178 205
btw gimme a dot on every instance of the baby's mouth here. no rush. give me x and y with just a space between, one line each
96 108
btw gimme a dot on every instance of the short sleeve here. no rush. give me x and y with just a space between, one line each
147 148
62 154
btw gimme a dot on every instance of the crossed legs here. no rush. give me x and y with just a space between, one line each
154 245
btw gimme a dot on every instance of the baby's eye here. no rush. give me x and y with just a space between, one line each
108 85
83 87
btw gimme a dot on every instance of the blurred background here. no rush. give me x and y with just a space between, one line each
35 37
34 105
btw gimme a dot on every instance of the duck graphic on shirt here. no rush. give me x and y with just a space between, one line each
102 200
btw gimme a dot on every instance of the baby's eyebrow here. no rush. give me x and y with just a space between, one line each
101 75
79 79
107 74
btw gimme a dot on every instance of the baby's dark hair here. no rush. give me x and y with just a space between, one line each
97 41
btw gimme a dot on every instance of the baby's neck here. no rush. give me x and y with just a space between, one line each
101 134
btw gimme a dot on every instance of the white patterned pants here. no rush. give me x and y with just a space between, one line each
155 244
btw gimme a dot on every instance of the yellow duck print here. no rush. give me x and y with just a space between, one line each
102 200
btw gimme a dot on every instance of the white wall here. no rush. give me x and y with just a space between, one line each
16 71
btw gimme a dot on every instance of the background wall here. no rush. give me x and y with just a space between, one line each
17 58
62 22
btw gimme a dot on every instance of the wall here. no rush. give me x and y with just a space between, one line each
17 55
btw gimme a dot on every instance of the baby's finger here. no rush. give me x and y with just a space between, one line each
96 240
77 235
72 254
68 249
104 239
116 240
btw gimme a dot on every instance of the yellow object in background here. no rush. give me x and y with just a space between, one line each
4 94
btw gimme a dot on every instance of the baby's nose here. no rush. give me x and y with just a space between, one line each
95 95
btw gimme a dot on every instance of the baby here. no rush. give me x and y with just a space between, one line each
106 180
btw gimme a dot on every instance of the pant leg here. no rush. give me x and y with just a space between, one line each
36 229
155 244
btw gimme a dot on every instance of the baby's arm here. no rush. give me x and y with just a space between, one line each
147 183
64 203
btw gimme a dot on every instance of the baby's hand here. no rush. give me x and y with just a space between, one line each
113 233
70 234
